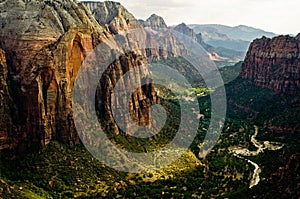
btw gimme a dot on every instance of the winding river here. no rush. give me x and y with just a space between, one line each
261 147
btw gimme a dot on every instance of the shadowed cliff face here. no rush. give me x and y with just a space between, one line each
274 64
6 124
45 44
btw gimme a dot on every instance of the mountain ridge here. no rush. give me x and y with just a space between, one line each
234 31
222 56
236 38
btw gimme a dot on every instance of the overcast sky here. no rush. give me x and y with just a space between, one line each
279 16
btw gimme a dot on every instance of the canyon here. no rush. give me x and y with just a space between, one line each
45 43
43 48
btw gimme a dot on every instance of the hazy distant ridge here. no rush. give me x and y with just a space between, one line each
240 32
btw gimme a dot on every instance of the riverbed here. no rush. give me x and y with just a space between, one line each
261 146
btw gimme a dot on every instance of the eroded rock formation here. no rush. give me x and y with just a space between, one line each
45 44
274 64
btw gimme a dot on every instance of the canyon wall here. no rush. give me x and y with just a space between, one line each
274 64
45 43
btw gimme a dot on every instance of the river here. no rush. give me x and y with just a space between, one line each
242 152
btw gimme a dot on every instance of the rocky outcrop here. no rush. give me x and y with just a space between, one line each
155 22
45 44
274 64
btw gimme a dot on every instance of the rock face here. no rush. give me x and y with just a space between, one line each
6 124
154 21
45 44
274 64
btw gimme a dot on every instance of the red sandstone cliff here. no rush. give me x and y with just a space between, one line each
274 64
45 44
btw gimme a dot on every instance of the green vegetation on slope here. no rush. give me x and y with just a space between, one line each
60 171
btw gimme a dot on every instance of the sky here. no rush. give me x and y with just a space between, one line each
278 16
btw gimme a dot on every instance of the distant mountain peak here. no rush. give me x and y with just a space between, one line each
154 21
154 16
182 25
184 29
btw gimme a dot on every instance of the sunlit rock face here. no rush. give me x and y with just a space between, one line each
46 43
274 64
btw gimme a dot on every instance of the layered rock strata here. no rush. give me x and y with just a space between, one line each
46 43
274 64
